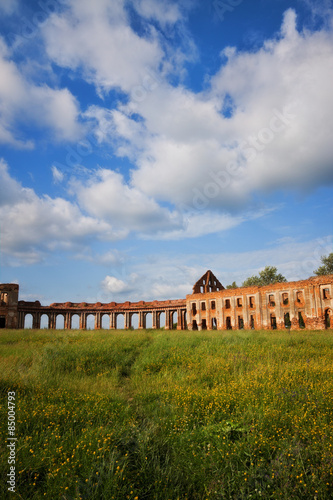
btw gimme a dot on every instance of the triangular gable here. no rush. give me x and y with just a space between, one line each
208 283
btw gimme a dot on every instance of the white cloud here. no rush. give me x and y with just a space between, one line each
57 175
22 102
164 13
32 226
111 284
96 38
276 136
107 196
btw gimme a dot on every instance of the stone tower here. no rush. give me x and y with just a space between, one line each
8 305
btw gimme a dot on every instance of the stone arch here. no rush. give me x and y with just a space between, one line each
134 320
161 315
149 320
45 321
105 321
90 321
120 321
173 320
28 321
60 321
75 322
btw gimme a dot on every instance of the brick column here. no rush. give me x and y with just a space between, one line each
167 320
127 324
142 320
112 321
36 321
97 321
83 321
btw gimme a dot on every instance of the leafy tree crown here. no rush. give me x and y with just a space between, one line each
327 265
267 276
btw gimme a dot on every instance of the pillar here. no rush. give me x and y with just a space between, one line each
83 321
113 321
127 320
36 321
167 320
97 321
179 319
142 320
67 322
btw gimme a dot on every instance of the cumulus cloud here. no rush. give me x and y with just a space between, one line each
263 124
97 40
164 13
32 226
107 196
22 101
111 284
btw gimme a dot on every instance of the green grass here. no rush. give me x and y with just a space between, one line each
169 415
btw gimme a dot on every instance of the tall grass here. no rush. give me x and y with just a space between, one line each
169 415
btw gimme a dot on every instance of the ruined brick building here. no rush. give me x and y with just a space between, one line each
298 304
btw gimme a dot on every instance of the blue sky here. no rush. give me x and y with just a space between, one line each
144 142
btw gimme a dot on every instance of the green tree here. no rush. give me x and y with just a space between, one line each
327 265
267 276
233 285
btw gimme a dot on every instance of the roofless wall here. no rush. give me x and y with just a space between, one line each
294 305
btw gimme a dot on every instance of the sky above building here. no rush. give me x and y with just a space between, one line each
143 142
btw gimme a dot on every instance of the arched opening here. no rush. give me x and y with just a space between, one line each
28 321
60 322
120 321
194 325
327 319
204 324
162 320
2 321
173 320
105 322
134 321
75 322
149 320
228 323
252 322
287 322
90 322
214 324
44 321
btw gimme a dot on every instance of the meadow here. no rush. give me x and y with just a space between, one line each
169 415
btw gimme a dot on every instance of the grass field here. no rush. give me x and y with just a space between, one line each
169 415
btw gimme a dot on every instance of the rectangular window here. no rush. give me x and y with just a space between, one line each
194 309
271 300
227 304
326 293
239 302
285 299
203 306
299 297
251 302
213 304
